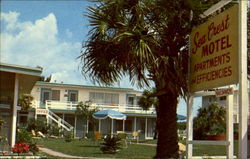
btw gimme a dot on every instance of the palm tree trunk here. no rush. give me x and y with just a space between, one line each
167 144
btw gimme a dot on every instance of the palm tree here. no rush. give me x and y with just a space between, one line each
145 40
25 101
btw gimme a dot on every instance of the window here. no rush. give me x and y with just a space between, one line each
56 95
46 96
131 100
72 95
104 98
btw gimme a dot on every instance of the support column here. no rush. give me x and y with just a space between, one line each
63 116
87 127
35 114
135 124
112 122
14 111
243 87
230 127
189 151
123 125
75 126
146 127
99 125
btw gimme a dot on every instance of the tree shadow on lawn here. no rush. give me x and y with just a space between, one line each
88 145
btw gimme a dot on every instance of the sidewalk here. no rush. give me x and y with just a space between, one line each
62 155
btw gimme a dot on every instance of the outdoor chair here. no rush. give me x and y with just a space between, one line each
123 136
97 136
135 135
182 134
35 135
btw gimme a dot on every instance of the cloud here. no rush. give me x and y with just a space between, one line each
37 44
68 33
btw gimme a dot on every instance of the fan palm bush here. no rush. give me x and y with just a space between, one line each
210 120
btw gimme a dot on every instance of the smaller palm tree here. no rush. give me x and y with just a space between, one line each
25 101
84 110
148 100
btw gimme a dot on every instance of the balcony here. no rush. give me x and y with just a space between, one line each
124 108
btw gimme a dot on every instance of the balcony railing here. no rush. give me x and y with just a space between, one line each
125 108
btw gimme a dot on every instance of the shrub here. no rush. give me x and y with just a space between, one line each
210 120
38 125
33 148
23 136
55 130
181 125
22 147
111 144
68 136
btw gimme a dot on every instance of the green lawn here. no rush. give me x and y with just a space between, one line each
88 148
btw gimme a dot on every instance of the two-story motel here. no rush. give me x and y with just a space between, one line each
57 102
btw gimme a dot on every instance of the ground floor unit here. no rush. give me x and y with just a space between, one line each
143 124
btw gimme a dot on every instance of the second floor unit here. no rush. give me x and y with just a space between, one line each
61 96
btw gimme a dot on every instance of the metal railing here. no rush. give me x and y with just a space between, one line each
59 121
124 108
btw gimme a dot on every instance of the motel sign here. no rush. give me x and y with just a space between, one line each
214 52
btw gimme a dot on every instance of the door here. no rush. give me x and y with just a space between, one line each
45 95
73 96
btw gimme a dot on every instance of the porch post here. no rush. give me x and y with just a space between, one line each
87 126
135 124
123 126
99 125
112 122
146 127
75 126
14 111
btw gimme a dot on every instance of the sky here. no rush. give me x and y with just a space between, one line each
49 34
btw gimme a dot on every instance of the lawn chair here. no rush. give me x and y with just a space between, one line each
123 136
135 135
97 136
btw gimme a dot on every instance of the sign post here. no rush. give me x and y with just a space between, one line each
243 87
219 58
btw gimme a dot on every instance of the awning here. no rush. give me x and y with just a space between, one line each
181 117
103 114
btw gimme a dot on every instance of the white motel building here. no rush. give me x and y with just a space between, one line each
56 102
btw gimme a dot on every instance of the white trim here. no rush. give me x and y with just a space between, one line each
207 142
214 8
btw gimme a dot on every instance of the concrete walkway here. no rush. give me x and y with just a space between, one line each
62 155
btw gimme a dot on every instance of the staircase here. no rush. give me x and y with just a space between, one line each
53 117
61 123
